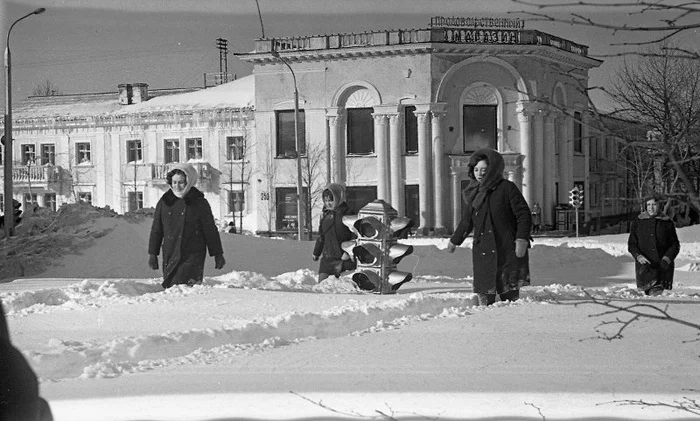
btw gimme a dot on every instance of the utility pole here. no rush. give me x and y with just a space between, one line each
222 45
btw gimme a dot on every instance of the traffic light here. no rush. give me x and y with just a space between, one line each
376 250
574 197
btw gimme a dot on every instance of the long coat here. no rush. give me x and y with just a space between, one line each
332 232
654 238
503 218
184 229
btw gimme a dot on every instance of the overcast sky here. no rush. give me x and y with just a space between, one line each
94 45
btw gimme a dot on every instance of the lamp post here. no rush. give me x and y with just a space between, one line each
297 145
9 207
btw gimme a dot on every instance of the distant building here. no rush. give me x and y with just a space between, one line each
394 114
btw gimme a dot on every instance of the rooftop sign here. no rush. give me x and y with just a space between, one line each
474 22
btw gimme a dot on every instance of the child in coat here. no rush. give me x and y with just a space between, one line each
332 233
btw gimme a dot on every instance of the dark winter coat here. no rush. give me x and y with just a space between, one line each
184 229
501 217
654 238
332 232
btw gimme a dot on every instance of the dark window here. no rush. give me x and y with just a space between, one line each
48 154
50 201
194 148
85 197
412 203
234 148
479 123
358 197
286 202
2 203
135 200
236 201
134 152
286 141
28 154
578 133
172 150
360 131
411 129
82 152
29 201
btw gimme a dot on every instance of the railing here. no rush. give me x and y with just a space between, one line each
159 172
460 35
35 173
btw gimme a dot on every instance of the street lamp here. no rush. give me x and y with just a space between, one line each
297 143
9 208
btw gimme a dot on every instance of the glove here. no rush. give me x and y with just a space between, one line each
521 247
219 261
153 261
314 257
665 263
451 247
642 260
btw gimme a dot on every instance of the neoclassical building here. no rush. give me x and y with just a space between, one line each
394 114
400 111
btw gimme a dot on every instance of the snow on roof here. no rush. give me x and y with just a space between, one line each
239 93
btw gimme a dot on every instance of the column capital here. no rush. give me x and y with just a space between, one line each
334 112
380 118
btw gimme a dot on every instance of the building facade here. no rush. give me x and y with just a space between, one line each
393 114
400 112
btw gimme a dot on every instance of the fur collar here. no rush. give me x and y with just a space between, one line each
662 217
169 197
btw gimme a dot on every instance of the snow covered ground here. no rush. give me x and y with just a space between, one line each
262 339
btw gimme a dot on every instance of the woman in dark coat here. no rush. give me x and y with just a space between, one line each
184 228
332 233
501 219
654 245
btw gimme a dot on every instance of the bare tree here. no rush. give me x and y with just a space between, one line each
240 171
313 176
46 88
268 174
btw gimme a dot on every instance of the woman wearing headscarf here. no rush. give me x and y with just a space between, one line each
183 228
654 244
497 212
332 233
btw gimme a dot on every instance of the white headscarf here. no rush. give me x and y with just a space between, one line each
190 174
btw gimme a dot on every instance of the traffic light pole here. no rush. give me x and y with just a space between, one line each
576 212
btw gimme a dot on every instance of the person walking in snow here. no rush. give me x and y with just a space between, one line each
654 244
332 233
183 228
536 217
499 216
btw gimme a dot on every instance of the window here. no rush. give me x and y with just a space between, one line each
236 201
194 148
2 203
29 201
172 150
28 154
286 143
413 203
578 133
360 131
134 153
82 153
411 129
593 147
235 148
286 217
85 197
48 154
359 196
50 201
479 126
2 155
135 200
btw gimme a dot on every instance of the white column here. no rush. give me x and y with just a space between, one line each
335 147
438 116
398 196
570 154
424 158
456 200
538 156
549 162
382 151
526 150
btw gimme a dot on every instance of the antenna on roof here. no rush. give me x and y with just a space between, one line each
222 45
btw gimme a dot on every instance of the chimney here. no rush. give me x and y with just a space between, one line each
132 93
